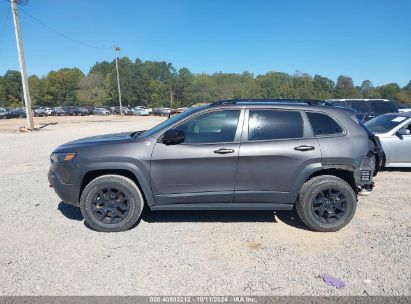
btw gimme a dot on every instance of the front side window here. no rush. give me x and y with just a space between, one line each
270 125
212 127
322 124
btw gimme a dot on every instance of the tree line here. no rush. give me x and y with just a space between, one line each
157 84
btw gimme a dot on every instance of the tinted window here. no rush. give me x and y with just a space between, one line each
360 107
268 124
211 127
323 124
382 107
385 123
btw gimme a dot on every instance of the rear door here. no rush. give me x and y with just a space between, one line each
277 146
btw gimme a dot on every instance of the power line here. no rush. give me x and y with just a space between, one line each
62 34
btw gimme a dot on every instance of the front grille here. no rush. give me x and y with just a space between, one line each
365 175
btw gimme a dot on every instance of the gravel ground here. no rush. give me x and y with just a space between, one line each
47 250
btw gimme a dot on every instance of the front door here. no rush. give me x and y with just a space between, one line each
398 148
202 169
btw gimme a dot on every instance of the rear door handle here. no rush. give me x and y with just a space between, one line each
223 151
304 148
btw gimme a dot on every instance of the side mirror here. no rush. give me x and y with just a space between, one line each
173 137
403 132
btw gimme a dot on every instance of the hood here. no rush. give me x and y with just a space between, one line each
98 140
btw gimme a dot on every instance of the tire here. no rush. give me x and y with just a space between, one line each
96 191
315 204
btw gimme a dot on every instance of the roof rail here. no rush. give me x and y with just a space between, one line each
310 102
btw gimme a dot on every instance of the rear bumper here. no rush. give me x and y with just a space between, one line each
365 173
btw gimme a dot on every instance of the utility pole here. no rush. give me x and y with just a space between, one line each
117 49
20 51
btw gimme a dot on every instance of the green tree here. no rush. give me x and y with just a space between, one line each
11 91
91 89
62 86
37 88
202 89
276 85
389 91
345 88
323 87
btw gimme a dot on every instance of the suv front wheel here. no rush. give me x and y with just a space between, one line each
111 203
326 203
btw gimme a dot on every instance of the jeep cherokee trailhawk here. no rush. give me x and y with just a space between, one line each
228 155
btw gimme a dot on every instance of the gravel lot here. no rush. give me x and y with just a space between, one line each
47 250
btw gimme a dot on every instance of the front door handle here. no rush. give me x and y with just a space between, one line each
223 151
304 148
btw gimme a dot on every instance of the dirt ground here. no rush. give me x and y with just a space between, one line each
47 250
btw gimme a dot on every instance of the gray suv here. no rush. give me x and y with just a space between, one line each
228 155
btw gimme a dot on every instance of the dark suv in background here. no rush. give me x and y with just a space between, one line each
235 155
366 108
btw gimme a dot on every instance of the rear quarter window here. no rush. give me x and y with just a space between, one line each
323 124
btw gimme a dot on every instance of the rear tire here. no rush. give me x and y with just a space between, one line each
111 203
326 203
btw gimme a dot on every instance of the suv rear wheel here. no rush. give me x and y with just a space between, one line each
326 203
111 203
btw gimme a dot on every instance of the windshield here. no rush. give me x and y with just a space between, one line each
171 121
384 123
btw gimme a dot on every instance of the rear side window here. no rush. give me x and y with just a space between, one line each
323 124
383 107
269 125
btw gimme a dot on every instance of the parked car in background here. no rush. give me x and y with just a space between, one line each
145 108
59 111
101 111
366 108
4 114
15 113
89 109
394 133
73 111
403 107
312 158
140 111
128 111
39 111
84 111
161 111
49 111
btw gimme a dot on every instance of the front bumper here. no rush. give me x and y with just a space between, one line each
65 191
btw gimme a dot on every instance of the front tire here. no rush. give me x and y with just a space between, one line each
326 203
111 203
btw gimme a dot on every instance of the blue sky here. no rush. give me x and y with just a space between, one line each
365 39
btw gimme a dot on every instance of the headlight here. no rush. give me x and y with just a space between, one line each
61 157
